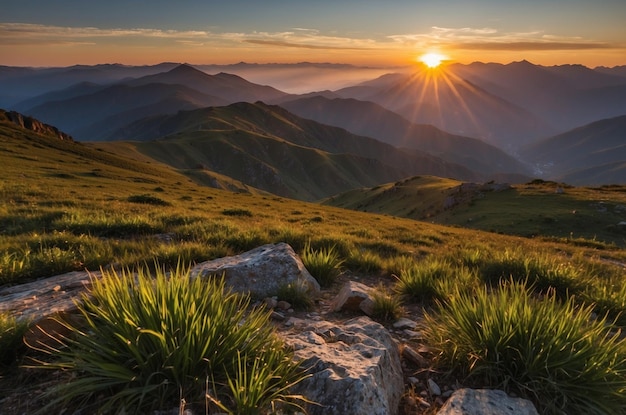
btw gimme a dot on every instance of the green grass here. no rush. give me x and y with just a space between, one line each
387 305
550 351
11 344
324 264
153 343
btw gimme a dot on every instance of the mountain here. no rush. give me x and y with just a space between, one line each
372 120
589 155
230 88
93 115
91 112
449 102
564 97
19 84
271 149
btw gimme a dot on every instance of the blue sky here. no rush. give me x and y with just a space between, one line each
65 32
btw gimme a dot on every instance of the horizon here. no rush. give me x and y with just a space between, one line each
39 33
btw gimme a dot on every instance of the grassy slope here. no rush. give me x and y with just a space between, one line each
530 210
63 196
269 148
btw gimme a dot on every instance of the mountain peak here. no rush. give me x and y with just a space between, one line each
184 69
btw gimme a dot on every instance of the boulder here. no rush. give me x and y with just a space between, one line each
353 296
355 367
260 272
486 402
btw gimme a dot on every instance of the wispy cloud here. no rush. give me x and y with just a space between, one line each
305 38
466 38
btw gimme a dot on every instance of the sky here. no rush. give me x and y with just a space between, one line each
359 32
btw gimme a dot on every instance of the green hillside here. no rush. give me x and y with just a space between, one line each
268 148
535 209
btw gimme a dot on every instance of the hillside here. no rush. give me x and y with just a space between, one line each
533 209
371 120
589 155
271 149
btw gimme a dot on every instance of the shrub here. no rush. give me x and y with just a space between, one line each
147 200
237 212
364 261
387 305
550 351
297 294
424 281
324 264
152 343
543 272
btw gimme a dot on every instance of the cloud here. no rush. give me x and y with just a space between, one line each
300 45
466 38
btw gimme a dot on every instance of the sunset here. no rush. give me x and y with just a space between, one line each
63 33
329 207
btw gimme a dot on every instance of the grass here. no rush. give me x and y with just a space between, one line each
553 352
387 305
153 343
297 294
324 264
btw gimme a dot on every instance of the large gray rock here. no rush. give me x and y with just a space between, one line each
260 272
355 367
486 402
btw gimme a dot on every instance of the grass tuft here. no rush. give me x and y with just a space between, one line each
151 343
550 351
324 264
11 334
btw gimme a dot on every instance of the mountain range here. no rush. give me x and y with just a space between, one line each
469 122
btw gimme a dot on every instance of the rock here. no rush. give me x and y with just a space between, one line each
433 388
486 402
415 357
283 305
44 301
353 296
355 367
260 272
404 323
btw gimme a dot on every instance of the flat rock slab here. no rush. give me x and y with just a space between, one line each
43 298
486 402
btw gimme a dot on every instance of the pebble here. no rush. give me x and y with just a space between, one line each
404 323
433 387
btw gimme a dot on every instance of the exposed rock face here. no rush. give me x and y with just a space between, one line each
486 402
262 271
355 367
353 296
35 125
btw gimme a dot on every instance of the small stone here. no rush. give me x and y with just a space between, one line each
404 323
283 305
57 288
447 393
413 381
277 316
415 357
270 302
433 387
412 334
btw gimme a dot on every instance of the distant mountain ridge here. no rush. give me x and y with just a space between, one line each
372 120
593 154
274 150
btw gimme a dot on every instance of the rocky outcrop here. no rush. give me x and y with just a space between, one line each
35 125
354 366
486 402
260 272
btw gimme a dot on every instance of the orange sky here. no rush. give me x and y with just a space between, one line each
364 32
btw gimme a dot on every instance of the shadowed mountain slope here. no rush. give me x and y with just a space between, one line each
372 120
589 155
272 149
449 102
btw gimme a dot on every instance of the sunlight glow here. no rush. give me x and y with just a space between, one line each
432 60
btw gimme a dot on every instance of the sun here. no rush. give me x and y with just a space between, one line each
432 60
